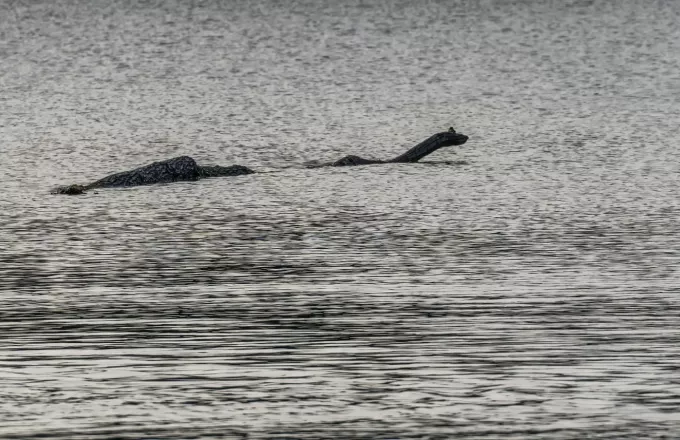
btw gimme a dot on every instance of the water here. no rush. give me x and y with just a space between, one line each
523 285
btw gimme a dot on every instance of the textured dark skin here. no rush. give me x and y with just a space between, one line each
428 146
182 168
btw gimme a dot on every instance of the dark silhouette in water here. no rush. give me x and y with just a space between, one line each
182 168
429 145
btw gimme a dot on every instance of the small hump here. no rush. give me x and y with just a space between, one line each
451 130
70 190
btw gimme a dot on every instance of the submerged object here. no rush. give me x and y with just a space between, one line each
185 168
182 168
428 146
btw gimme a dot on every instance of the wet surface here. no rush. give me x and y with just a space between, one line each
523 285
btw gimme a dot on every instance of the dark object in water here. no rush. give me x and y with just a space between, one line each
428 146
70 190
182 168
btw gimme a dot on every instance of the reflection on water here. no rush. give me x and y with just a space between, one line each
523 285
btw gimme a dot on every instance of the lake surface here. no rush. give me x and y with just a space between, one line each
523 285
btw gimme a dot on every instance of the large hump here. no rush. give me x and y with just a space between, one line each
165 171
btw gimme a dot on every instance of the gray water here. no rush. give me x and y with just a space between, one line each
523 285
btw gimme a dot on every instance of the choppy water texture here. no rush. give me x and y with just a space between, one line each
524 285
